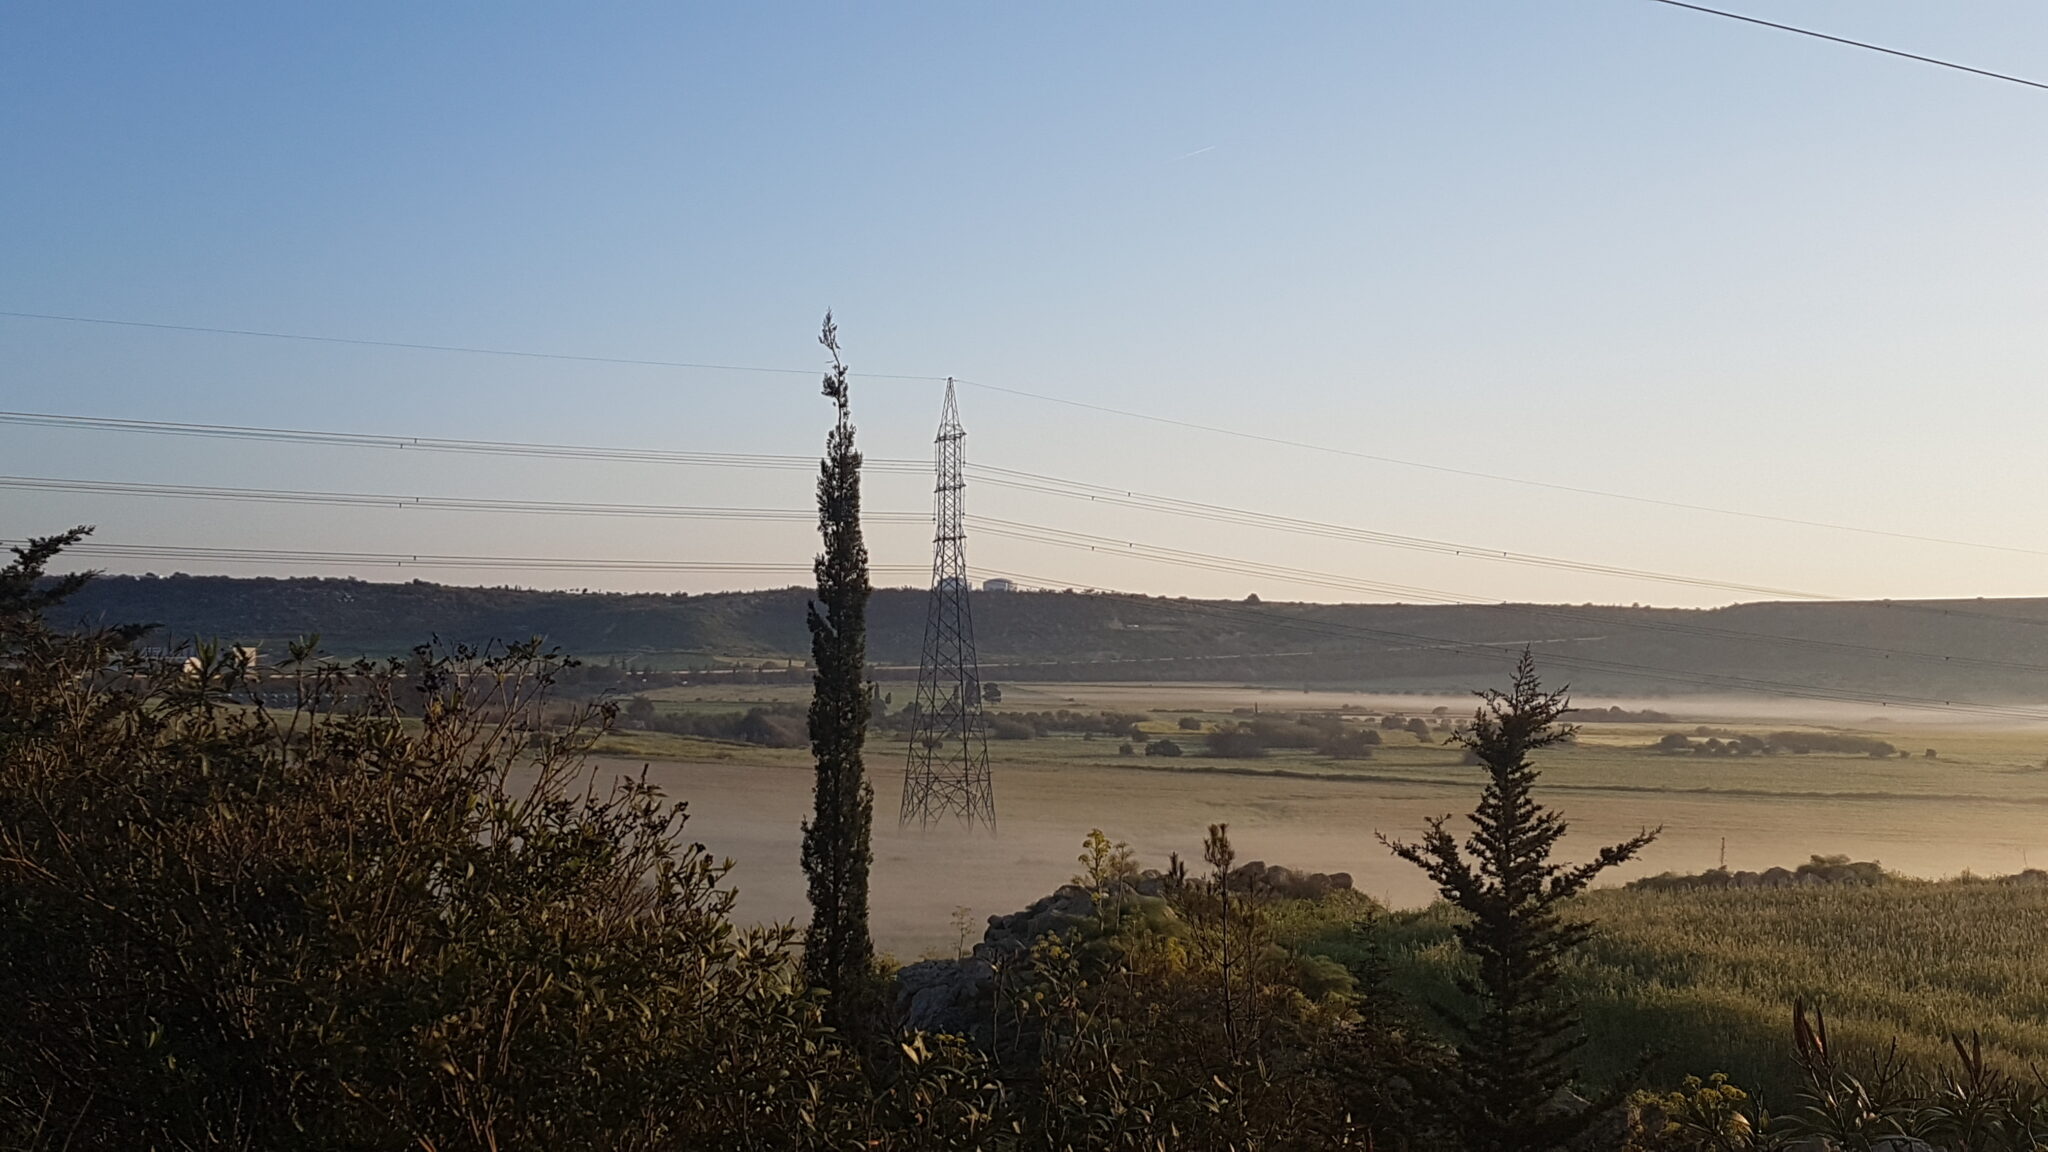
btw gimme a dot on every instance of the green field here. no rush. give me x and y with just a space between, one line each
1706 981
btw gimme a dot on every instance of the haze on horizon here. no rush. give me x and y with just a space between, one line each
1601 244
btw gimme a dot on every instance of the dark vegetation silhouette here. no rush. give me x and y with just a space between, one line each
1516 1036
397 912
746 637
838 953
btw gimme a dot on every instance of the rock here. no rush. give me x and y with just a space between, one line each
1258 876
950 996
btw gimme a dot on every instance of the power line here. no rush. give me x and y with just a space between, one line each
1034 533
465 349
463 504
434 503
431 560
433 444
1006 477
1853 43
1449 470
1169 421
1222 514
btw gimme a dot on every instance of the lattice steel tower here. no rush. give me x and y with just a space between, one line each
947 770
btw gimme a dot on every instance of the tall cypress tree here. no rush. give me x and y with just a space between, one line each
1516 1037
838 954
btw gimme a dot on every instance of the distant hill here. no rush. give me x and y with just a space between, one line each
1981 650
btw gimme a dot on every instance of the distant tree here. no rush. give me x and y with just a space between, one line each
1125 749
1235 743
1420 727
1162 748
640 708
991 692
1190 724
838 952
1674 742
1351 745
1515 1041
519 958
760 726
1010 728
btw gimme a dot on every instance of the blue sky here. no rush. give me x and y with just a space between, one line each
1607 244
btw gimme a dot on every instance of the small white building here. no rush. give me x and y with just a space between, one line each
998 584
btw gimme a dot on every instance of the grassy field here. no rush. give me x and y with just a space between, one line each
1705 981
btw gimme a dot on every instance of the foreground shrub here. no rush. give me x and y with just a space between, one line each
1192 1021
397 914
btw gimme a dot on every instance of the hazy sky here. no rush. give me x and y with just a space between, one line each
1606 244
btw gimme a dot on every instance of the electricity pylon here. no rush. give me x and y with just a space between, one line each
946 773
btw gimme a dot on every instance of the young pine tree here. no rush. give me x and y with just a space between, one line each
26 590
838 954
1516 1039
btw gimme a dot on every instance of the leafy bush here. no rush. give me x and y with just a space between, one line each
1196 1025
1235 743
1287 732
1119 724
1162 748
396 914
1006 728
1801 743
1354 745
771 725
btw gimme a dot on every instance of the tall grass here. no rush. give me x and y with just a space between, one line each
1705 981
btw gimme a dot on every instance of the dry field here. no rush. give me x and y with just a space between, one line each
1978 807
